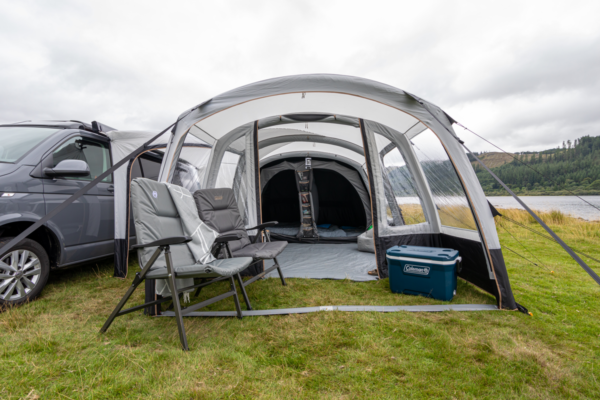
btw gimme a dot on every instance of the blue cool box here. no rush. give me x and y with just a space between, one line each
423 271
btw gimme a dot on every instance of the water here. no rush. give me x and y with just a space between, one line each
567 204
570 205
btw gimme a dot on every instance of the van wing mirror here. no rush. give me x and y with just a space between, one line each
69 168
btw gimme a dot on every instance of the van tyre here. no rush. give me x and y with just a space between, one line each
24 272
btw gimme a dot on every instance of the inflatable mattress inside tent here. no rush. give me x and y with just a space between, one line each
338 161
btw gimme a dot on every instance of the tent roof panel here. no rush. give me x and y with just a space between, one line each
219 124
308 147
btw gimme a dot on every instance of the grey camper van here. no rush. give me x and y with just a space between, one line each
42 163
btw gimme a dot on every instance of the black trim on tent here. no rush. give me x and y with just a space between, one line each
495 212
120 257
308 117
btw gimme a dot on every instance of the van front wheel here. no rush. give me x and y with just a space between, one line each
24 272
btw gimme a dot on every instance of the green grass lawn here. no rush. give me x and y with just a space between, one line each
51 348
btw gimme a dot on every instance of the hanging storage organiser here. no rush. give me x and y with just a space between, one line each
308 227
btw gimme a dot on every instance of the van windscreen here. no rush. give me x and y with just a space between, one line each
16 141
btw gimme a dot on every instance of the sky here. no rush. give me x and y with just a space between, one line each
523 74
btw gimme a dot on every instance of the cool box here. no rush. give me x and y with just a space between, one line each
423 271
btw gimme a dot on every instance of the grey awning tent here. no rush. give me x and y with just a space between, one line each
410 154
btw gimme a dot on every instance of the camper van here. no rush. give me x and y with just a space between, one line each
42 163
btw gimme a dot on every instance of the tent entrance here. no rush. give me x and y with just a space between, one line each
338 210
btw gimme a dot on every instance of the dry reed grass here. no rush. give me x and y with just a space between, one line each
563 224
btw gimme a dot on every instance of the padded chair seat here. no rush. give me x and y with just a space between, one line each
226 267
263 251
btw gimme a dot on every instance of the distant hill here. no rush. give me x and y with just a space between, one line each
573 167
492 159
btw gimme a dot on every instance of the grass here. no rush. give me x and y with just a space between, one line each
51 349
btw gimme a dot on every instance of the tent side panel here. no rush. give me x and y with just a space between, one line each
473 258
482 213
370 155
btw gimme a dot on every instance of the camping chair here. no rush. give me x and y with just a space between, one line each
219 210
164 254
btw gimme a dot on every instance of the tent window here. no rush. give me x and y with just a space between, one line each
136 171
448 194
403 205
151 168
404 188
191 167
227 170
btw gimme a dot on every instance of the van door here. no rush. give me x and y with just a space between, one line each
87 225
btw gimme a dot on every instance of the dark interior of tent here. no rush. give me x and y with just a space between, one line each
340 217
336 202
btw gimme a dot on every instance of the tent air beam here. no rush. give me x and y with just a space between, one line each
311 138
296 118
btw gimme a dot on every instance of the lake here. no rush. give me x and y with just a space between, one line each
567 204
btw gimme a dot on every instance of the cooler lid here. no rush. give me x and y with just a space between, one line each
429 253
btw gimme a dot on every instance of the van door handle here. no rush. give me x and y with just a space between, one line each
111 188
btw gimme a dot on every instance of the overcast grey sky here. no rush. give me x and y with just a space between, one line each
524 74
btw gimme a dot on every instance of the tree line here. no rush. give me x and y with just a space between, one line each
574 167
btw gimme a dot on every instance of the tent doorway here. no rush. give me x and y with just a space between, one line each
341 206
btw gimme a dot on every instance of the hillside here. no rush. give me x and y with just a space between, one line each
492 159
573 167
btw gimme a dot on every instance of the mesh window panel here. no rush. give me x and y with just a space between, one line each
399 185
404 187
448 194
190 167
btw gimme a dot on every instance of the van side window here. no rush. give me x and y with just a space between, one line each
150 168
95 153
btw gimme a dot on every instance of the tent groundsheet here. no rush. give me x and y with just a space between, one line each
325 261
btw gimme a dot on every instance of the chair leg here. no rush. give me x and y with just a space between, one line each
236 299
176 303
246 299
119 306
279 271
139 278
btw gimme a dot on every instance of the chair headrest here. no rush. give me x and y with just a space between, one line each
152 198
215 199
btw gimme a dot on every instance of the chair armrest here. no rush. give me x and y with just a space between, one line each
228 238
264 225
164 242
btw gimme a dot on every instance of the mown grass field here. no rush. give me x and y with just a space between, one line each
51 348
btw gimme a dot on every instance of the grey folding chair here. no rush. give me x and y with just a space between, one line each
219 210
164 254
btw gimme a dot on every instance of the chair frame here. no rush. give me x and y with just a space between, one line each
164 245
276 265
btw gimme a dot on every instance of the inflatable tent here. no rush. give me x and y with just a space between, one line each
394 155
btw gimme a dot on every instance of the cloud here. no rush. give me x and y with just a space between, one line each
523 74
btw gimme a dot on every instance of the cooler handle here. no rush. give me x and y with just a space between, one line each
458 265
